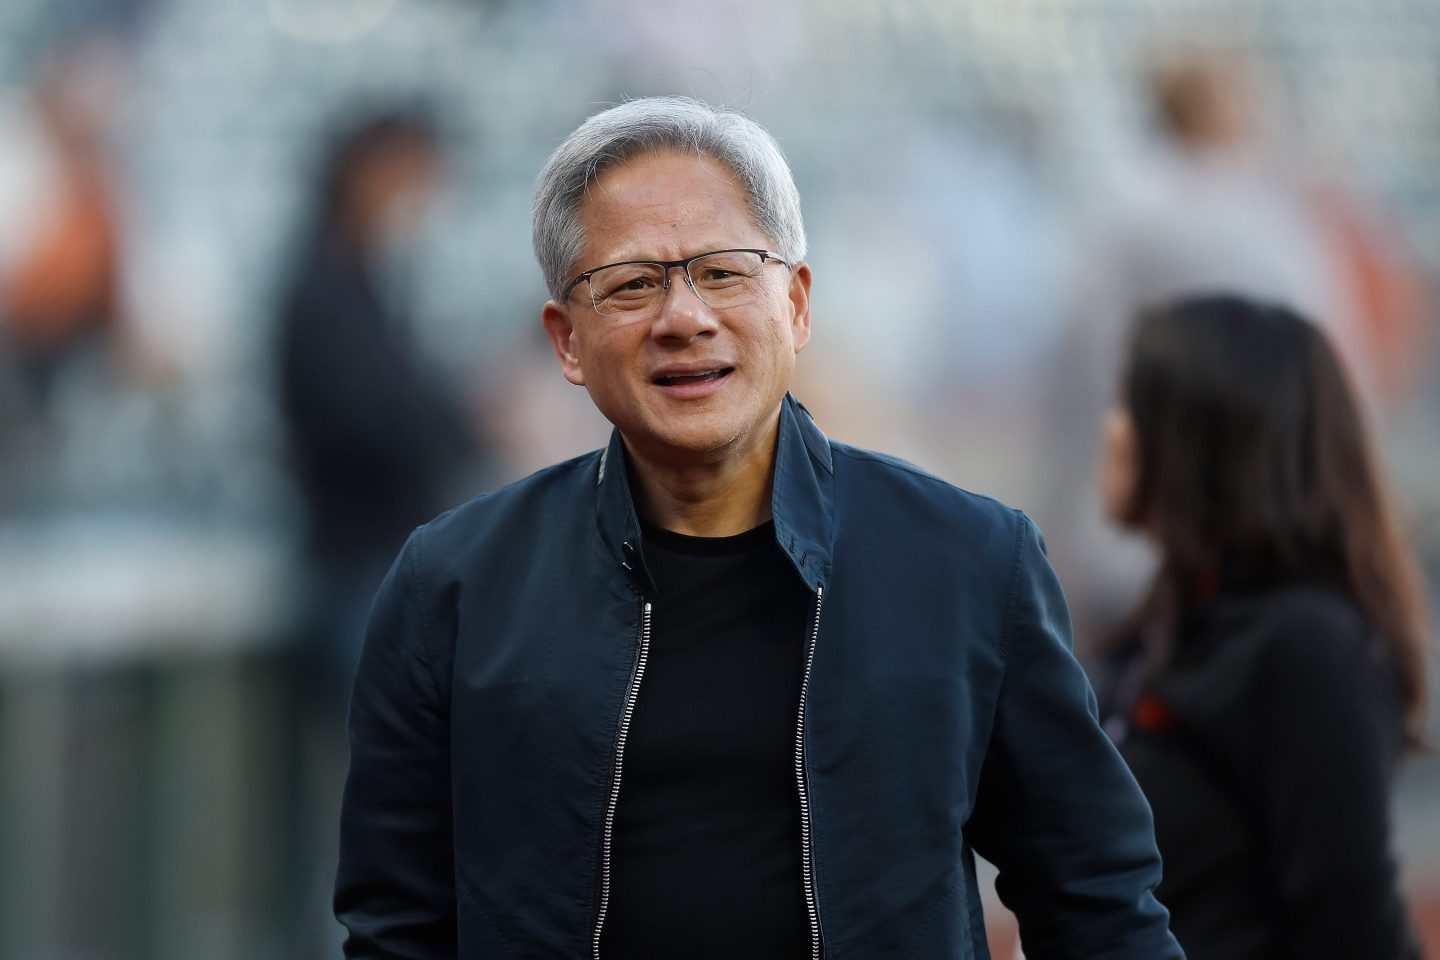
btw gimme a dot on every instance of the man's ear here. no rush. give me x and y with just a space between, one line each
556 320
799 295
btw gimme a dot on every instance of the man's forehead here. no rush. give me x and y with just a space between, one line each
652 181
674 198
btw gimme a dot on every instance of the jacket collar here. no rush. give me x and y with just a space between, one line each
800 501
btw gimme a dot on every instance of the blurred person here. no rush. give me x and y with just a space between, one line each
1219 202
1212 203
1214 198
59 260
828 678
374 432
375 435
1264 689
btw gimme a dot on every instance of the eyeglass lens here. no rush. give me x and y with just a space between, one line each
720 280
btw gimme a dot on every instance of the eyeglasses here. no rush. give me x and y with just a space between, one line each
635 289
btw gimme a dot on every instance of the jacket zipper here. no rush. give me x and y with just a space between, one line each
807 861
632 693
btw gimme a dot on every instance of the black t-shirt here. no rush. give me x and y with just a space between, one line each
706 849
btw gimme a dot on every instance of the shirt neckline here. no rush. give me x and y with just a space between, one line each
733 545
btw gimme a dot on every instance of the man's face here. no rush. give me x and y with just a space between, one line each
692 383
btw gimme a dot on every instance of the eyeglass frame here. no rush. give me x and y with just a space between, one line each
667 266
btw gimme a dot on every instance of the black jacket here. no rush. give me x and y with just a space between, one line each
1267 746
943 715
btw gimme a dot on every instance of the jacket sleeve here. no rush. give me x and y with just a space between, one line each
1057 810
395 888
1329 737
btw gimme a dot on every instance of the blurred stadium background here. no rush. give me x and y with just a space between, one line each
990 186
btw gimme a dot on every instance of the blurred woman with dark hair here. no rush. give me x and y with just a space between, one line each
1264 690
377 435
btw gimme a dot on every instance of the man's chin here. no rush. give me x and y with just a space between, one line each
695 436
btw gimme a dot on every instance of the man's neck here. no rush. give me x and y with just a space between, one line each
712 497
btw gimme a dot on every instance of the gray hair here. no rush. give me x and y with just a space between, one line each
637 127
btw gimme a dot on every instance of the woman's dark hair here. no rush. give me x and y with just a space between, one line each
1256 467
352 148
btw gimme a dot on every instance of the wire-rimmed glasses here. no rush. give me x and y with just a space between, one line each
635 289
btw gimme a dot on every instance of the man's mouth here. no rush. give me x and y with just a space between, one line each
699 376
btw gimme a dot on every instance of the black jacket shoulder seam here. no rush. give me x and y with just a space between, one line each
427 653
869 456
1013 591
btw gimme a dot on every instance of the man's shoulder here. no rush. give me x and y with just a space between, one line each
520 508
892 485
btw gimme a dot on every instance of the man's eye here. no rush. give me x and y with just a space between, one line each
634 285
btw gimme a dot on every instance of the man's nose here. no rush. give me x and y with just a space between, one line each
683 315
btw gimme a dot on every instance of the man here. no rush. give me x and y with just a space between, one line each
726 688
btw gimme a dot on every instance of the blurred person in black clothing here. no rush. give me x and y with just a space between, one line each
375 435
375 438
1264 690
